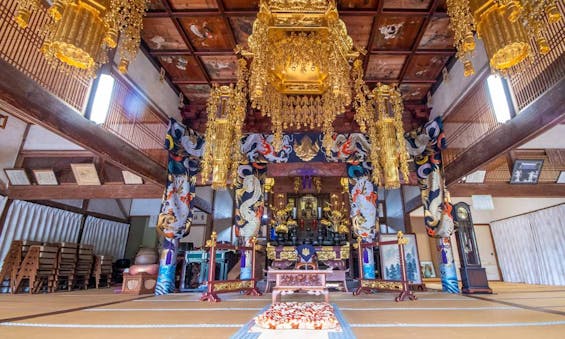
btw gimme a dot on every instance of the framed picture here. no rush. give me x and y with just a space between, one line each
45 177
3 120
85 174
390 259
199 218
17 176
131 179
526 171
428 270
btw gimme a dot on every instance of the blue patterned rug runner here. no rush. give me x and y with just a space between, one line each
345 333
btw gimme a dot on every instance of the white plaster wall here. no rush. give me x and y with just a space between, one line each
205 192
503 207
70 202
451 91
550 139
10 140
41 139
223 214
3 200
106 206
142 72
145 207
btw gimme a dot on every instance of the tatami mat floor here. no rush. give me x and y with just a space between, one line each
514 311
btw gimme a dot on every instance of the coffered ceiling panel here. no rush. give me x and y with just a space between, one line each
161 33
233 5
414 92
182 67
222 67
437 34
396 32
385 67
208 32
242 28
408 41
425 67
155 5
407 4
196 93
359 28
193 4
358 4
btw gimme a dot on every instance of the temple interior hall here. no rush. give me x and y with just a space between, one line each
253 169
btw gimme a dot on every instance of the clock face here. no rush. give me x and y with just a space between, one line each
462 213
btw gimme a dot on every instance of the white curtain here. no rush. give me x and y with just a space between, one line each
108 237
29 221
531 247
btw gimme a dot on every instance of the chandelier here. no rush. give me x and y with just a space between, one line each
82 31
226 109
379 115
300 61
302 71
507 28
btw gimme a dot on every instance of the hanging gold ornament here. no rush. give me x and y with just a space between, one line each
301 58
82 31
380 114
226 108
507 27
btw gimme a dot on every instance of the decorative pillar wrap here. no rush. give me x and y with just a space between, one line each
447 266
363 200
184 146
249 208
425 145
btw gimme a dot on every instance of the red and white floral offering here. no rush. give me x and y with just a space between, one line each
298 315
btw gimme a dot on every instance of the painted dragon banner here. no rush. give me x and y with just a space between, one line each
363 201
425 145
249 202
305 147
185 148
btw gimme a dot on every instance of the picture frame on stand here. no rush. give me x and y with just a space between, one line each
390 259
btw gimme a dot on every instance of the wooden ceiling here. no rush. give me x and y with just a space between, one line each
408 42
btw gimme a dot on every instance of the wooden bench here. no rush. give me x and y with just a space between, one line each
289 281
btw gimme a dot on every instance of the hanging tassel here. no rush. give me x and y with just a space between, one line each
365 256
169 259
242 262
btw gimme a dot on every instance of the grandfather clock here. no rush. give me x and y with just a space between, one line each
473 276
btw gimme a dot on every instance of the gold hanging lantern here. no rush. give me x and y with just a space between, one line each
506 43
508 27
82 31
23 11
300 56
379 113
226 112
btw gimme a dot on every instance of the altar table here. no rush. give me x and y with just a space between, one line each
311 281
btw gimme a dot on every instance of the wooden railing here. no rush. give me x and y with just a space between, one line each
134 119
471 120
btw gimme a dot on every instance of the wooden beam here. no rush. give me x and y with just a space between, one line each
24 98
72 191
507 190
547 111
